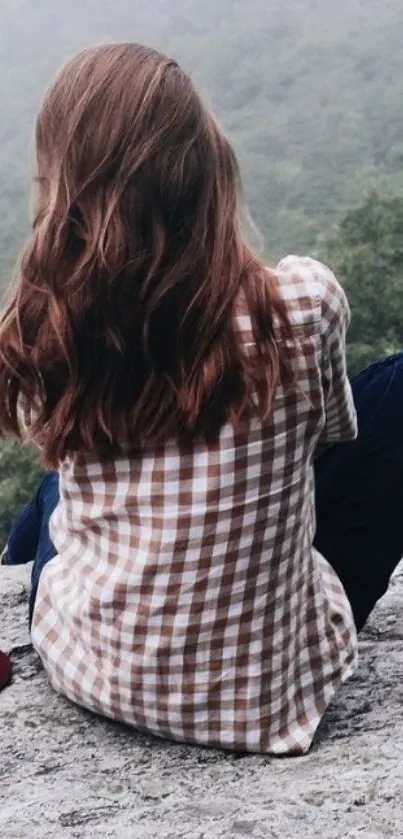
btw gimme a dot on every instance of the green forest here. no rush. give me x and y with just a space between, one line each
310 92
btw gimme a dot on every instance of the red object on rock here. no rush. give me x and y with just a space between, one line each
6 670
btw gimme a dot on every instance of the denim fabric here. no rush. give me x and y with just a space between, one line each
359 490
29 539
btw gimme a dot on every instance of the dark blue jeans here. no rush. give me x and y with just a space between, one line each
359 497
359 490
29 537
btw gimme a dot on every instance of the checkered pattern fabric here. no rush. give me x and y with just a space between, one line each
186 597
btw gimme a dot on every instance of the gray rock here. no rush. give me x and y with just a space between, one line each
66 773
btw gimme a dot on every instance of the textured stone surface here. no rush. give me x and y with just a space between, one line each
65 773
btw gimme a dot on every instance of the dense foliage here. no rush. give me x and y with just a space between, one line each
366 252
19 475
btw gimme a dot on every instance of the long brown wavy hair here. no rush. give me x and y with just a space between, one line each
120 328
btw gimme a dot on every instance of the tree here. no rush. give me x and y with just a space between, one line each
366 253
20 472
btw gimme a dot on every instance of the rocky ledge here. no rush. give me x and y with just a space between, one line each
65 773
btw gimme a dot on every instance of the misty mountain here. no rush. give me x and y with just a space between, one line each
310 91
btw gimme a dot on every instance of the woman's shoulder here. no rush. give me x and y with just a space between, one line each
310 290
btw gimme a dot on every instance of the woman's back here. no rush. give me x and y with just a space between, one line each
186 596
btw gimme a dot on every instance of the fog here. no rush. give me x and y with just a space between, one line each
310 92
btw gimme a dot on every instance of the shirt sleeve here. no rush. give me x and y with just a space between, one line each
340 413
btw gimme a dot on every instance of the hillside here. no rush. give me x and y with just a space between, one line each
310 91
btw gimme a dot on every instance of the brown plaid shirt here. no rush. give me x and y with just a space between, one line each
186 597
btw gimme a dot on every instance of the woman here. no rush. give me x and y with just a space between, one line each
182 391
